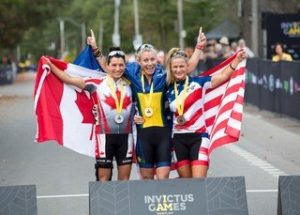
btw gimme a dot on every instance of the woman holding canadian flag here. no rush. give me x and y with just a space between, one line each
112 111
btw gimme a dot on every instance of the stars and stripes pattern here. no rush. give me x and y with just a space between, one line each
223 106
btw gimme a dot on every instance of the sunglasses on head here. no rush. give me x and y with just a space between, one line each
116 53
144 46
179 53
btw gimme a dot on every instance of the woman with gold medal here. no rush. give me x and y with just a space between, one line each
113 113
185 100
148 84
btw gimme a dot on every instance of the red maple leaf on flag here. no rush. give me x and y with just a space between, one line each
85 106
109 100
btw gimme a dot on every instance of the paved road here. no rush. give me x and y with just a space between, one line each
269 146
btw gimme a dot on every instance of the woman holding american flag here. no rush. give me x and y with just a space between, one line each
186 96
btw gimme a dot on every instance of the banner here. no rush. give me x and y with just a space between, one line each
274 86
209 196
284 28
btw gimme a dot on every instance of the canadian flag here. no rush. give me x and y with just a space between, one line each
63 113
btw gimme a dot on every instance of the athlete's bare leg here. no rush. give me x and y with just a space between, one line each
162 172
147 173
124 172
184 171
104 174
199 171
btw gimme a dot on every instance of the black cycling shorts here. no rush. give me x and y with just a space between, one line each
119 146
191 149
153 147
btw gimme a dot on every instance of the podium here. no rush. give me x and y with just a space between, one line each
209 196
288 195
19 200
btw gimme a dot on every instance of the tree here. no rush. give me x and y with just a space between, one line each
19 16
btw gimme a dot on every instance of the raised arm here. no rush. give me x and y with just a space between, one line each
65 77
194 60
219 78
96 51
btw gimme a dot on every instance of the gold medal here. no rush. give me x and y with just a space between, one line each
148 112
181 120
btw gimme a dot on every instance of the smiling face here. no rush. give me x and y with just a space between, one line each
148 61
179 68
116 67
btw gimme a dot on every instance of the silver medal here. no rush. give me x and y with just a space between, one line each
119 118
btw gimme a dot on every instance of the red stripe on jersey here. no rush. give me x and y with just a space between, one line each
182 163
199 163
190 99
192 121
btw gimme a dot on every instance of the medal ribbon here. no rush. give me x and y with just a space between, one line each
112 85
179 100
147 101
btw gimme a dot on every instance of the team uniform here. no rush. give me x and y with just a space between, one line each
113 129
190 137
153 143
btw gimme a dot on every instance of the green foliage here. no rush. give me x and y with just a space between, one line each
34 25
18 16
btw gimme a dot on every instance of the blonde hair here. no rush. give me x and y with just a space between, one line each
145 48
174 53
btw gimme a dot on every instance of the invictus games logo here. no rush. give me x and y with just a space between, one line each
291 29
168 204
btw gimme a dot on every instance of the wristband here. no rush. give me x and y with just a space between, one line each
97 53
200 47
231 67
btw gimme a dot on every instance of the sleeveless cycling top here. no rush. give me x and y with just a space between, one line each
142 95
193 105
106 100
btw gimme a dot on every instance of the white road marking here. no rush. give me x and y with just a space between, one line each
87 195
62 196
256 161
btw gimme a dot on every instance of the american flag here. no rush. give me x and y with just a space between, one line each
223 106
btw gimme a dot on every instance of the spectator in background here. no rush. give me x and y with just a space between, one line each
209 51
189 51
242 45
280 54
234 47
161 58
225 47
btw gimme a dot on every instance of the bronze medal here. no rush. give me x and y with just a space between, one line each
181 120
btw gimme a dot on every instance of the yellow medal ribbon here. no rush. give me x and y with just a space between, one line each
147 101
112 85
179 100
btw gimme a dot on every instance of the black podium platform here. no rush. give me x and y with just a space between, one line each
289 195
210 196
20 200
